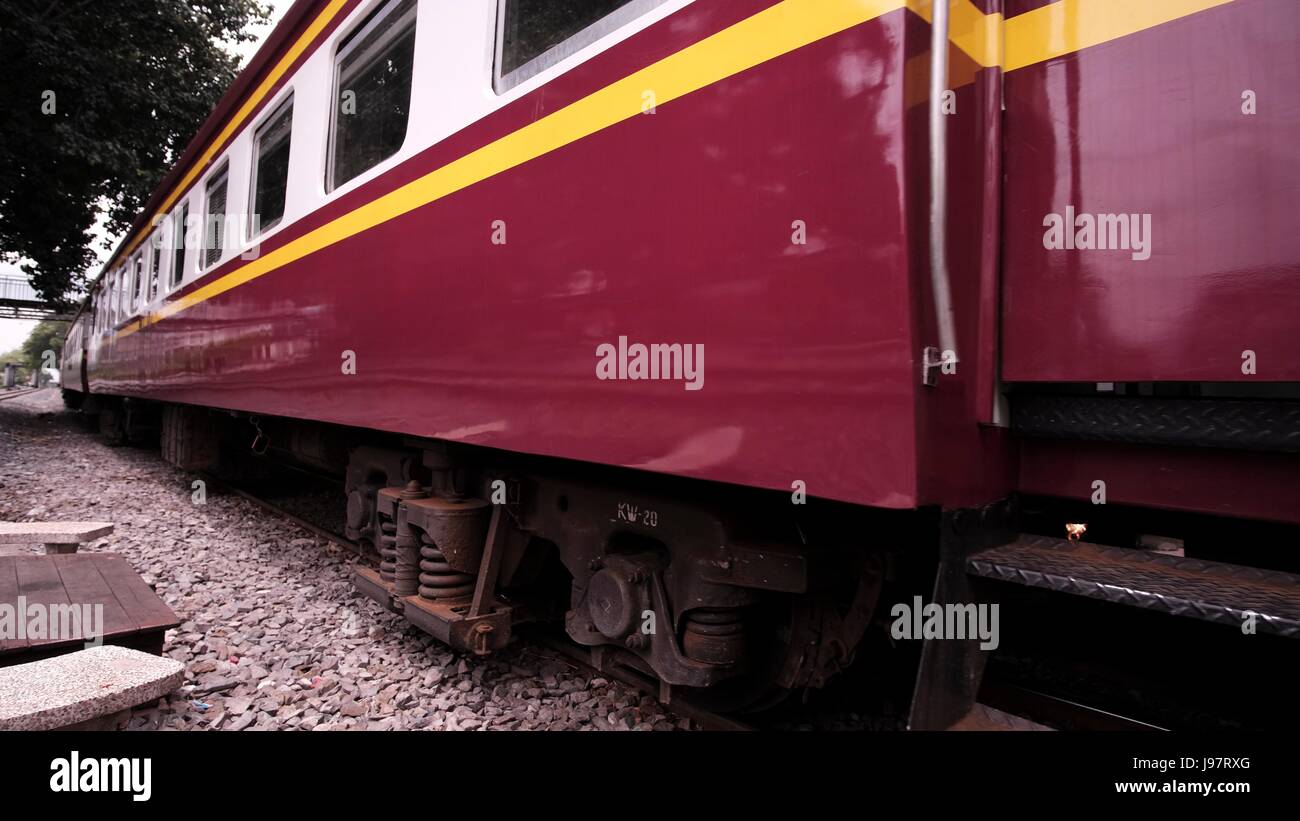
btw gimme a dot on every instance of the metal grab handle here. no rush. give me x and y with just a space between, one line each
939 182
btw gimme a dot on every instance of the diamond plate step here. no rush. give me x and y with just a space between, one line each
1212 591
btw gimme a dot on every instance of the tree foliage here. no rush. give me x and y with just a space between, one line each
30 356
46 336
97 101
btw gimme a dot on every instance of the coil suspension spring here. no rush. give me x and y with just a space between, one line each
437 578
387 548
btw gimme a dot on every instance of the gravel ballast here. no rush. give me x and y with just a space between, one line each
273 635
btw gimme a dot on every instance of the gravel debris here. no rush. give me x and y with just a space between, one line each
272 633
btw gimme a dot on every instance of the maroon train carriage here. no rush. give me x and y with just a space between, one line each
695 325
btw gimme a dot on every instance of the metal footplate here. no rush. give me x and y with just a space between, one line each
1237 424
1212 591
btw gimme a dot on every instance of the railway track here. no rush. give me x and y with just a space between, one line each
272 507
14 394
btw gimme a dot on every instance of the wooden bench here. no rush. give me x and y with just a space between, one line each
77 688
58 537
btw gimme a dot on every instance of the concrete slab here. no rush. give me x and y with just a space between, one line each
53 532
81 686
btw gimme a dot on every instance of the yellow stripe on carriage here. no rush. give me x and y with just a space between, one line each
1072 25
977 34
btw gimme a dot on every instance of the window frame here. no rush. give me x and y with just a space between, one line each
563 50
222 174
176 277
116 297
348 43
153 280
264 125
129 294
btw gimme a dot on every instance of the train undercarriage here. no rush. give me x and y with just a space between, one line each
735 597
690 588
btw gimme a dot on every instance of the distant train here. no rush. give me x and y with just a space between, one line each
688 324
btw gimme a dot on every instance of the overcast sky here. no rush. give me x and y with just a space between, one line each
14 331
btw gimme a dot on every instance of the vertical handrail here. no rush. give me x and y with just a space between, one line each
939 182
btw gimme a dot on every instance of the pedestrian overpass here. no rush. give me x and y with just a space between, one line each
18 300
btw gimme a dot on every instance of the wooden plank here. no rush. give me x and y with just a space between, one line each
38 580
144 605
39 583
84 585
9 595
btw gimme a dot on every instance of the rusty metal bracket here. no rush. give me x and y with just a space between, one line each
449 622
457 526
489 566
781 568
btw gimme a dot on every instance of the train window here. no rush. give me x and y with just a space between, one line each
533 35
214 220
271 169
179 218
115 296
155 267
372 92
137 281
